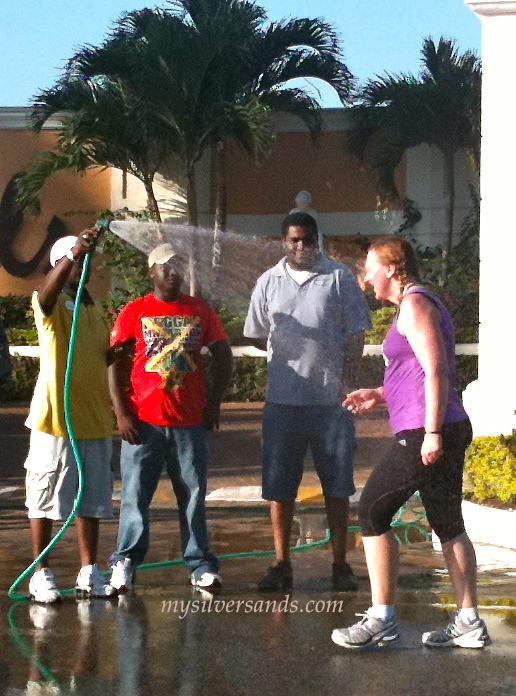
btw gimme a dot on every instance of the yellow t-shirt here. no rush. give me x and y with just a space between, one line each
90 406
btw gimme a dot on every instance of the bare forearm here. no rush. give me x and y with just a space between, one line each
436 399
223 370
118 377
53 284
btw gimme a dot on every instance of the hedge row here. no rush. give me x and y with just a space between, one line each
249 379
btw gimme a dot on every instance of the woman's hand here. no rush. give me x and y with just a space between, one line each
432 448
363 400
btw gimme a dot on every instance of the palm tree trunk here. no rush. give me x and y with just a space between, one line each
221 211
191 207
152 203
221 198
449 208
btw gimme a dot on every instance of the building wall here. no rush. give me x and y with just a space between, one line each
342 192
74 199
258 197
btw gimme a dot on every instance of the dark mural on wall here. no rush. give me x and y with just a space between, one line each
11 218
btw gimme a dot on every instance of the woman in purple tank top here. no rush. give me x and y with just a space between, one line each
432 432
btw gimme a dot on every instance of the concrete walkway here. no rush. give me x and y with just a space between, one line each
164 639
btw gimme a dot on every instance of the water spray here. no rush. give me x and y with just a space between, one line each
240 260
144 236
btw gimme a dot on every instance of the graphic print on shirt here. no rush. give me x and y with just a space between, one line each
170 343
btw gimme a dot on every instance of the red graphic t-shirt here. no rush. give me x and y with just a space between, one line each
167 378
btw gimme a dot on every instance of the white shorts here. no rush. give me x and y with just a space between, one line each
52 479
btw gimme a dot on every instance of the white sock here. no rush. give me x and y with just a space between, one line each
385 612
468 615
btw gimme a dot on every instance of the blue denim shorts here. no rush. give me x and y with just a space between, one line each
288 433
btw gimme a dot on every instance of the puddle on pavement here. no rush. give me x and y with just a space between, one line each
165 638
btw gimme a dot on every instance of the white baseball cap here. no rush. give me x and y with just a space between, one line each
162 254
62 247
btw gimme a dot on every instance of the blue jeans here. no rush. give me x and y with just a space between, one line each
184 453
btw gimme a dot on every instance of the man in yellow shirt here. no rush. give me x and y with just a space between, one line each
52 478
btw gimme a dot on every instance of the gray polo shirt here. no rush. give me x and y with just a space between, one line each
306 327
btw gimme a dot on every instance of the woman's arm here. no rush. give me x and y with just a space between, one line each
419 322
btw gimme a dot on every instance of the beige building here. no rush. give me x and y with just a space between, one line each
258 197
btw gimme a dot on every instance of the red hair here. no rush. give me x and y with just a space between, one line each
396 251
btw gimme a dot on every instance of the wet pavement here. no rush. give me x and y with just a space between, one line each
165 638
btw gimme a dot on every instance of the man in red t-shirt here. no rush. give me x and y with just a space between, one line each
162 410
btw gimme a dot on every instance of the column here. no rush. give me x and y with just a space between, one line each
491 400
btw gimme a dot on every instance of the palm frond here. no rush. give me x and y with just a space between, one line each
30 182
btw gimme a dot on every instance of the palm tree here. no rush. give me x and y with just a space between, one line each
261 85
209 72
100 127
189 78
441 107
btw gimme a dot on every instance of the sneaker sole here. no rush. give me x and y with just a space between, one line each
87 594
214 587
474 639
123 589
380 640
57 600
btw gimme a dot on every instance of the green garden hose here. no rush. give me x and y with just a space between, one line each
71 350
13 595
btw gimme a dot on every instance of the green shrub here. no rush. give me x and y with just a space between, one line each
382 320
20 385
16 312
466 371
249 379
22 337
129 273
234 325
490 469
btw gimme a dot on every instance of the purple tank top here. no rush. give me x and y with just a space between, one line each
404 388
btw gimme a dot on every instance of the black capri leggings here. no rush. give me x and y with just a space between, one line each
400 473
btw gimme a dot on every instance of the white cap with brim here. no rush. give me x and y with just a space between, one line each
63 247
162 254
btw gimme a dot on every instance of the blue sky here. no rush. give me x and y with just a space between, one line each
377 35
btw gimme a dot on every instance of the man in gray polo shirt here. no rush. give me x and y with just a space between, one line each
310 314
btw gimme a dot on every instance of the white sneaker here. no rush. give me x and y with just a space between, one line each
91 583
122 575
207 581
368 631
43 587
458 634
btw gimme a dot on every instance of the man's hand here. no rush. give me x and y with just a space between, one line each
85 244
211 416
127 424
